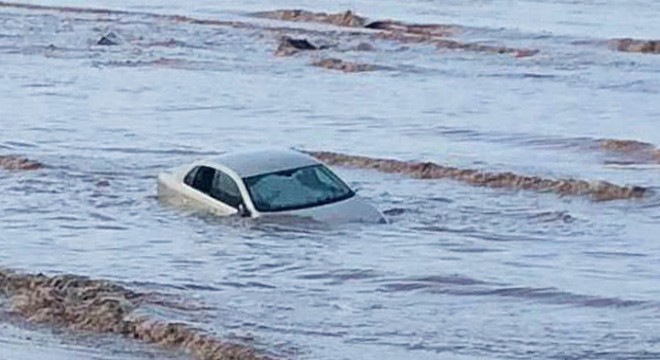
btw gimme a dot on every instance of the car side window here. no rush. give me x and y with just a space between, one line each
224 188
200 178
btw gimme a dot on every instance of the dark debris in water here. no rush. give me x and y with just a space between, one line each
17 162
109 39
428 30
289 46
395 30
636 45
394 212
100 306
554 216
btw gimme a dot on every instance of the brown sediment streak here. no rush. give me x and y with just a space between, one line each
517 52
396 30
457 45
16 162
100 306
625 146
349 19
598 190
346 18
639 150
344 66
636 45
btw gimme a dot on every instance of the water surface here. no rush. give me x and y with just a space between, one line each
460 273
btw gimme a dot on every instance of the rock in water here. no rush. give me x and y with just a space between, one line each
290 46
16 162
109 39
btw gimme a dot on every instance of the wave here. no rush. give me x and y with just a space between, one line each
597 190
100 306
639 151
465 286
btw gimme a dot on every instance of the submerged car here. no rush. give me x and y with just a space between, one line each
266 183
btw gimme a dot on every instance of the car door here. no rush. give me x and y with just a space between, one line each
213 189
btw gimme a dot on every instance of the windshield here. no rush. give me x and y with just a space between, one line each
296 189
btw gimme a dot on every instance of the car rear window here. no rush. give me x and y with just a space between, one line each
298 188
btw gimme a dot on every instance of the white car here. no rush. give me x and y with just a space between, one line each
265 183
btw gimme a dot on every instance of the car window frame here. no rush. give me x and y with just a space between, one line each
190 178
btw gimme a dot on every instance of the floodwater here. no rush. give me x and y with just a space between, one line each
461 272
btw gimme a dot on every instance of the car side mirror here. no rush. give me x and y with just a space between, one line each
243 211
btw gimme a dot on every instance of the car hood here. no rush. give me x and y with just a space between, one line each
354 209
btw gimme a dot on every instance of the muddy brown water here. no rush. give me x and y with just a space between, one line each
106 98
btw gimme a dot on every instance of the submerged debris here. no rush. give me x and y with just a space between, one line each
637 46
345 66
639 150
429 30
102 183
364 46
346 18
290 46
598 190
626 146
109 39
81 303
17 162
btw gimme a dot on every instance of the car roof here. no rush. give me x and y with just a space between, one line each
256 162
